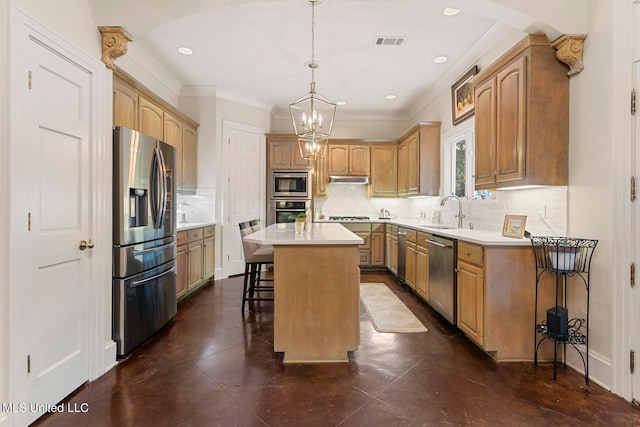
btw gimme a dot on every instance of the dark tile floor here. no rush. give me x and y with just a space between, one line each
214 366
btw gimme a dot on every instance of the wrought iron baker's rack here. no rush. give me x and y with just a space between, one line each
563 257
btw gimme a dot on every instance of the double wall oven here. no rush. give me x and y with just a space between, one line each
290 195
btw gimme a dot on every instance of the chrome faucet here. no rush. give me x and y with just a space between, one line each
460 214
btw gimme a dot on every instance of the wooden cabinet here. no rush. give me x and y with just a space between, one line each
522 118
348 159
182 264
391 250
363 231
195 262
209 254
377 245
151 118
173 136
470 310
137 108
320 178
125 105
284 153
411 258
384 170
189 170
372 251
496 300
419 161
422 266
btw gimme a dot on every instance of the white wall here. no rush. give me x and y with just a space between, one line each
592 170
73 20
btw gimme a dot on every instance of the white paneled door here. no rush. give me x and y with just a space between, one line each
51 207
244 189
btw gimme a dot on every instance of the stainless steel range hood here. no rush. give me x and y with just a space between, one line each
349 179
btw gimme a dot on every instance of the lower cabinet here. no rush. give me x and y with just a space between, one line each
412 252
371 252
195 260
422 266
471 291
496 300
391 248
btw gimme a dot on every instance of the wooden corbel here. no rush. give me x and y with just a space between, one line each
569 51
114 44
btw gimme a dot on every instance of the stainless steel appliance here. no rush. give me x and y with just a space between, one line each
286 210
442 277
144 240
291 184
402 254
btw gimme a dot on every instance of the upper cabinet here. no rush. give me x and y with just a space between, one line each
137 108
284 153
348 159
384 166
522 118
419 161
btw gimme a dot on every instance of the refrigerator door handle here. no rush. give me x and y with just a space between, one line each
158 188
153 249
149 279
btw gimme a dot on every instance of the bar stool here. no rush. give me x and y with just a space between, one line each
255 256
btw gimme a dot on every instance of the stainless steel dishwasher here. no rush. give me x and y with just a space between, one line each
442 276
402 254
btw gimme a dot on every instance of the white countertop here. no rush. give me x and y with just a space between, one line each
189 225
320 233
480 237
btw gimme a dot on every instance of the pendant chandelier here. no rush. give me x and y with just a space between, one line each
312 114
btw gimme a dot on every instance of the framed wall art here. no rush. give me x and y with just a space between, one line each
514 226
463 96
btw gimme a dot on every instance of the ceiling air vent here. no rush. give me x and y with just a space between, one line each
389 41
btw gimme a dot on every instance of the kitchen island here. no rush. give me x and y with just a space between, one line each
317 291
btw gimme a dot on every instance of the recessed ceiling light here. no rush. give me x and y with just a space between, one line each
341 102
440 59
185 50
391 96
450 11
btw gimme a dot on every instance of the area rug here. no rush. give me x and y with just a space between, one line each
386 311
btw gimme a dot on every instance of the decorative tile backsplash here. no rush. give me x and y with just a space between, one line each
545 208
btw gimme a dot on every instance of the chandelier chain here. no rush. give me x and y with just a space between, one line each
313 38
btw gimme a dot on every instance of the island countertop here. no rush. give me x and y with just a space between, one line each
318 234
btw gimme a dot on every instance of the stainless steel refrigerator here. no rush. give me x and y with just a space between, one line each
144 237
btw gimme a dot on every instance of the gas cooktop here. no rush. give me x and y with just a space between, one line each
348 218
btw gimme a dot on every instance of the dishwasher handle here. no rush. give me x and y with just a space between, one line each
440 245
402 233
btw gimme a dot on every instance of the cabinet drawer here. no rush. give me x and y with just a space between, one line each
181 238
195 234
470 253
209 231
358 228
422 239
411 235
377 228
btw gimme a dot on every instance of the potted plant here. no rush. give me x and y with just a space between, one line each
301 220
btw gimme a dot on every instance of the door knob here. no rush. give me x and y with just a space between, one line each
84 244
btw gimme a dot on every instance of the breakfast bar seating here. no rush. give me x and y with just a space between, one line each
255 256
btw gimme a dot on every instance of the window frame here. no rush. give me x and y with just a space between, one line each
462 132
